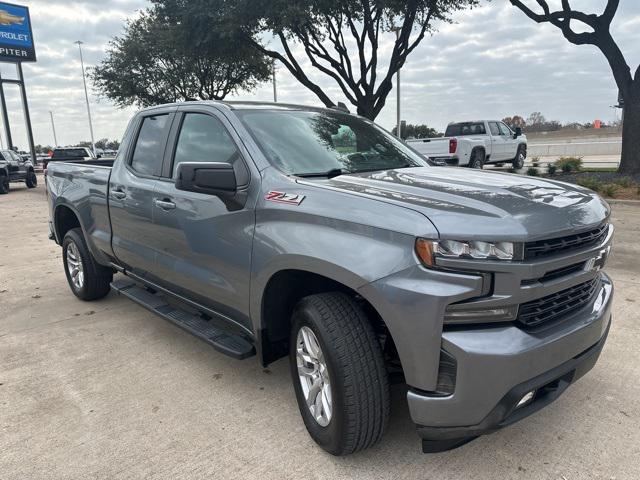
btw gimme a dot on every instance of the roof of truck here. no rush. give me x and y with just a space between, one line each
249 105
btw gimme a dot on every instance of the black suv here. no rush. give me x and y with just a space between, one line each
13 168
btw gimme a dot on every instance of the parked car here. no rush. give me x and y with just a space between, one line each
70 154
14 168
475 144
275 231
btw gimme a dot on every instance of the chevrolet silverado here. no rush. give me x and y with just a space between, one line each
276 231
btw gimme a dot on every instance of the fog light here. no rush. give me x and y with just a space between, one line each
526 399
457 314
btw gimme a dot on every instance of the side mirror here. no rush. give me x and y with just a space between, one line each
98 156
518 132
213 178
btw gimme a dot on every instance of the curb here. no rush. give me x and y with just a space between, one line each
613 201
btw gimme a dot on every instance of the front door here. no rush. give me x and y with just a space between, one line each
498 147
131 193
510 144
205 250
17 170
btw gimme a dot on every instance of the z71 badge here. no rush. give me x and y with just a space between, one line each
282 197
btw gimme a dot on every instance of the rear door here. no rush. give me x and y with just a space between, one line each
205 249
131 192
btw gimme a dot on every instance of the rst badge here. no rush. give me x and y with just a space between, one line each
282 197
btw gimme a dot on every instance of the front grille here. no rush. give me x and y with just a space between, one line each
552 307
552 246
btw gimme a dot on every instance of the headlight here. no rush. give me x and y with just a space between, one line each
427 250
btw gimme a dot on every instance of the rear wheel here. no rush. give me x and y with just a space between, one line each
477 159
88 279
338 373
4 184
32 179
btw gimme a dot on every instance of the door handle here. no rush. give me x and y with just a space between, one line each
164 204
118 194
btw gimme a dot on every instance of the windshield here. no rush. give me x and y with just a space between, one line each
322 143
462 129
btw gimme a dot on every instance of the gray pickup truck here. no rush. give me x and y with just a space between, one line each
280 230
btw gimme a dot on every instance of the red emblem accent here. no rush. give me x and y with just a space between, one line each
282 197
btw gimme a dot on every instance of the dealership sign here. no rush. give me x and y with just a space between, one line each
16 38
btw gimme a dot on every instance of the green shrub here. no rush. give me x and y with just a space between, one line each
609 190
624 182
532 172
569 164
551 169
590 183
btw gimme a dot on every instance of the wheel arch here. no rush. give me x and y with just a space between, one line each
283 290
64 219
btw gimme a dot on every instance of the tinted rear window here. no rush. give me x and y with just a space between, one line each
70 152
461 129
149 148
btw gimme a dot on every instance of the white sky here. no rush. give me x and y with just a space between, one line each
493 62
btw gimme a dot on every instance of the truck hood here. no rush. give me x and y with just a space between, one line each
463 203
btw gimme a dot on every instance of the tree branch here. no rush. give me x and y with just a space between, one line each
600 37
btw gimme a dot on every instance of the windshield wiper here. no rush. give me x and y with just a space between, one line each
334 172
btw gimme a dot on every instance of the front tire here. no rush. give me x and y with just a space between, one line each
339 374
518 161
88 279
4 185
32 179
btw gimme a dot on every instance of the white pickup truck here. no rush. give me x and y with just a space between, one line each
475 144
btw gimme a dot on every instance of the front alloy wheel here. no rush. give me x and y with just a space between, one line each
518 162
314 376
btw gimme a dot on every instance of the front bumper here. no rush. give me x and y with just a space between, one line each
498 366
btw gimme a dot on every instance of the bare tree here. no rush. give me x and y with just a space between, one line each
600 36
339 39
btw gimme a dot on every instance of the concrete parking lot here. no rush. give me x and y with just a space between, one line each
108 390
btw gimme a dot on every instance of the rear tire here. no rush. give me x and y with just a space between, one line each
4 185
477 159
88 279
32 179
350 365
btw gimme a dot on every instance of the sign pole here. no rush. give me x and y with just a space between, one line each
5 115
27 116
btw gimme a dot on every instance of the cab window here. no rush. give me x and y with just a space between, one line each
203 138
504 130
149 149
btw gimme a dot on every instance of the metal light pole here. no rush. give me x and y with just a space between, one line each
53 126
86 95
399 121
275 90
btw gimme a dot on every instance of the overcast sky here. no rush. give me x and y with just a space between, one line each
493 62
